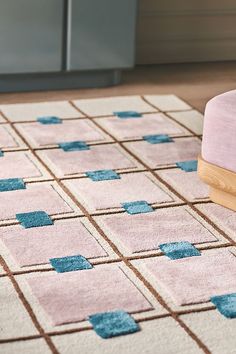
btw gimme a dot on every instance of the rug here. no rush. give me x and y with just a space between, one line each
109 242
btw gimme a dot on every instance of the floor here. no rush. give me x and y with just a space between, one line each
195 83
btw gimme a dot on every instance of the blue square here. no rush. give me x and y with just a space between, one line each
112 324
128 114
34 219
225 304
187 166
1 153
137 207
49 120
74 146
158 139
11 184
70 263
102 175
176 250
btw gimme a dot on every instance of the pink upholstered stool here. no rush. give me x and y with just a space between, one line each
217 165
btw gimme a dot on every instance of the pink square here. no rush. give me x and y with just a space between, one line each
223 217
186 183
72 297
156 155
30 111
111 193
195 279
43 134
6 139
145 232
34 197
18 165
155 123
105 106
100 157
167 102
37 245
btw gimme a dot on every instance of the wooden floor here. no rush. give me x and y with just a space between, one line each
195 83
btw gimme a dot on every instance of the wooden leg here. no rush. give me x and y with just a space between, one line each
222 183
223 198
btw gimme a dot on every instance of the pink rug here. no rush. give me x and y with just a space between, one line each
108 223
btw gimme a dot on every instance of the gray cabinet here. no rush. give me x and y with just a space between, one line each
55 44
102 34
30 35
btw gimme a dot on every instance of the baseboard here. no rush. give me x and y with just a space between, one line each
59 80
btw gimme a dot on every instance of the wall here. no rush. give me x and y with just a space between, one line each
186 31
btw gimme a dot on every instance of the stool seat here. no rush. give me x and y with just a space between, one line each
217 164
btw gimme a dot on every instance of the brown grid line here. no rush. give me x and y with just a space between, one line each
17 339
13 222
98 143
117 260
88 328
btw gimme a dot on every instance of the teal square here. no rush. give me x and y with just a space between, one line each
70 263
102 175
49 120
176 250
112 324
158 139
34 219
187 166
74 146
225 304
11 184
137 207
127 114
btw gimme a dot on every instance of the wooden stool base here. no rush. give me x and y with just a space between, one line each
222 183
223 198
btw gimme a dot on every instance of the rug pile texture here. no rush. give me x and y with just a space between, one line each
109 242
